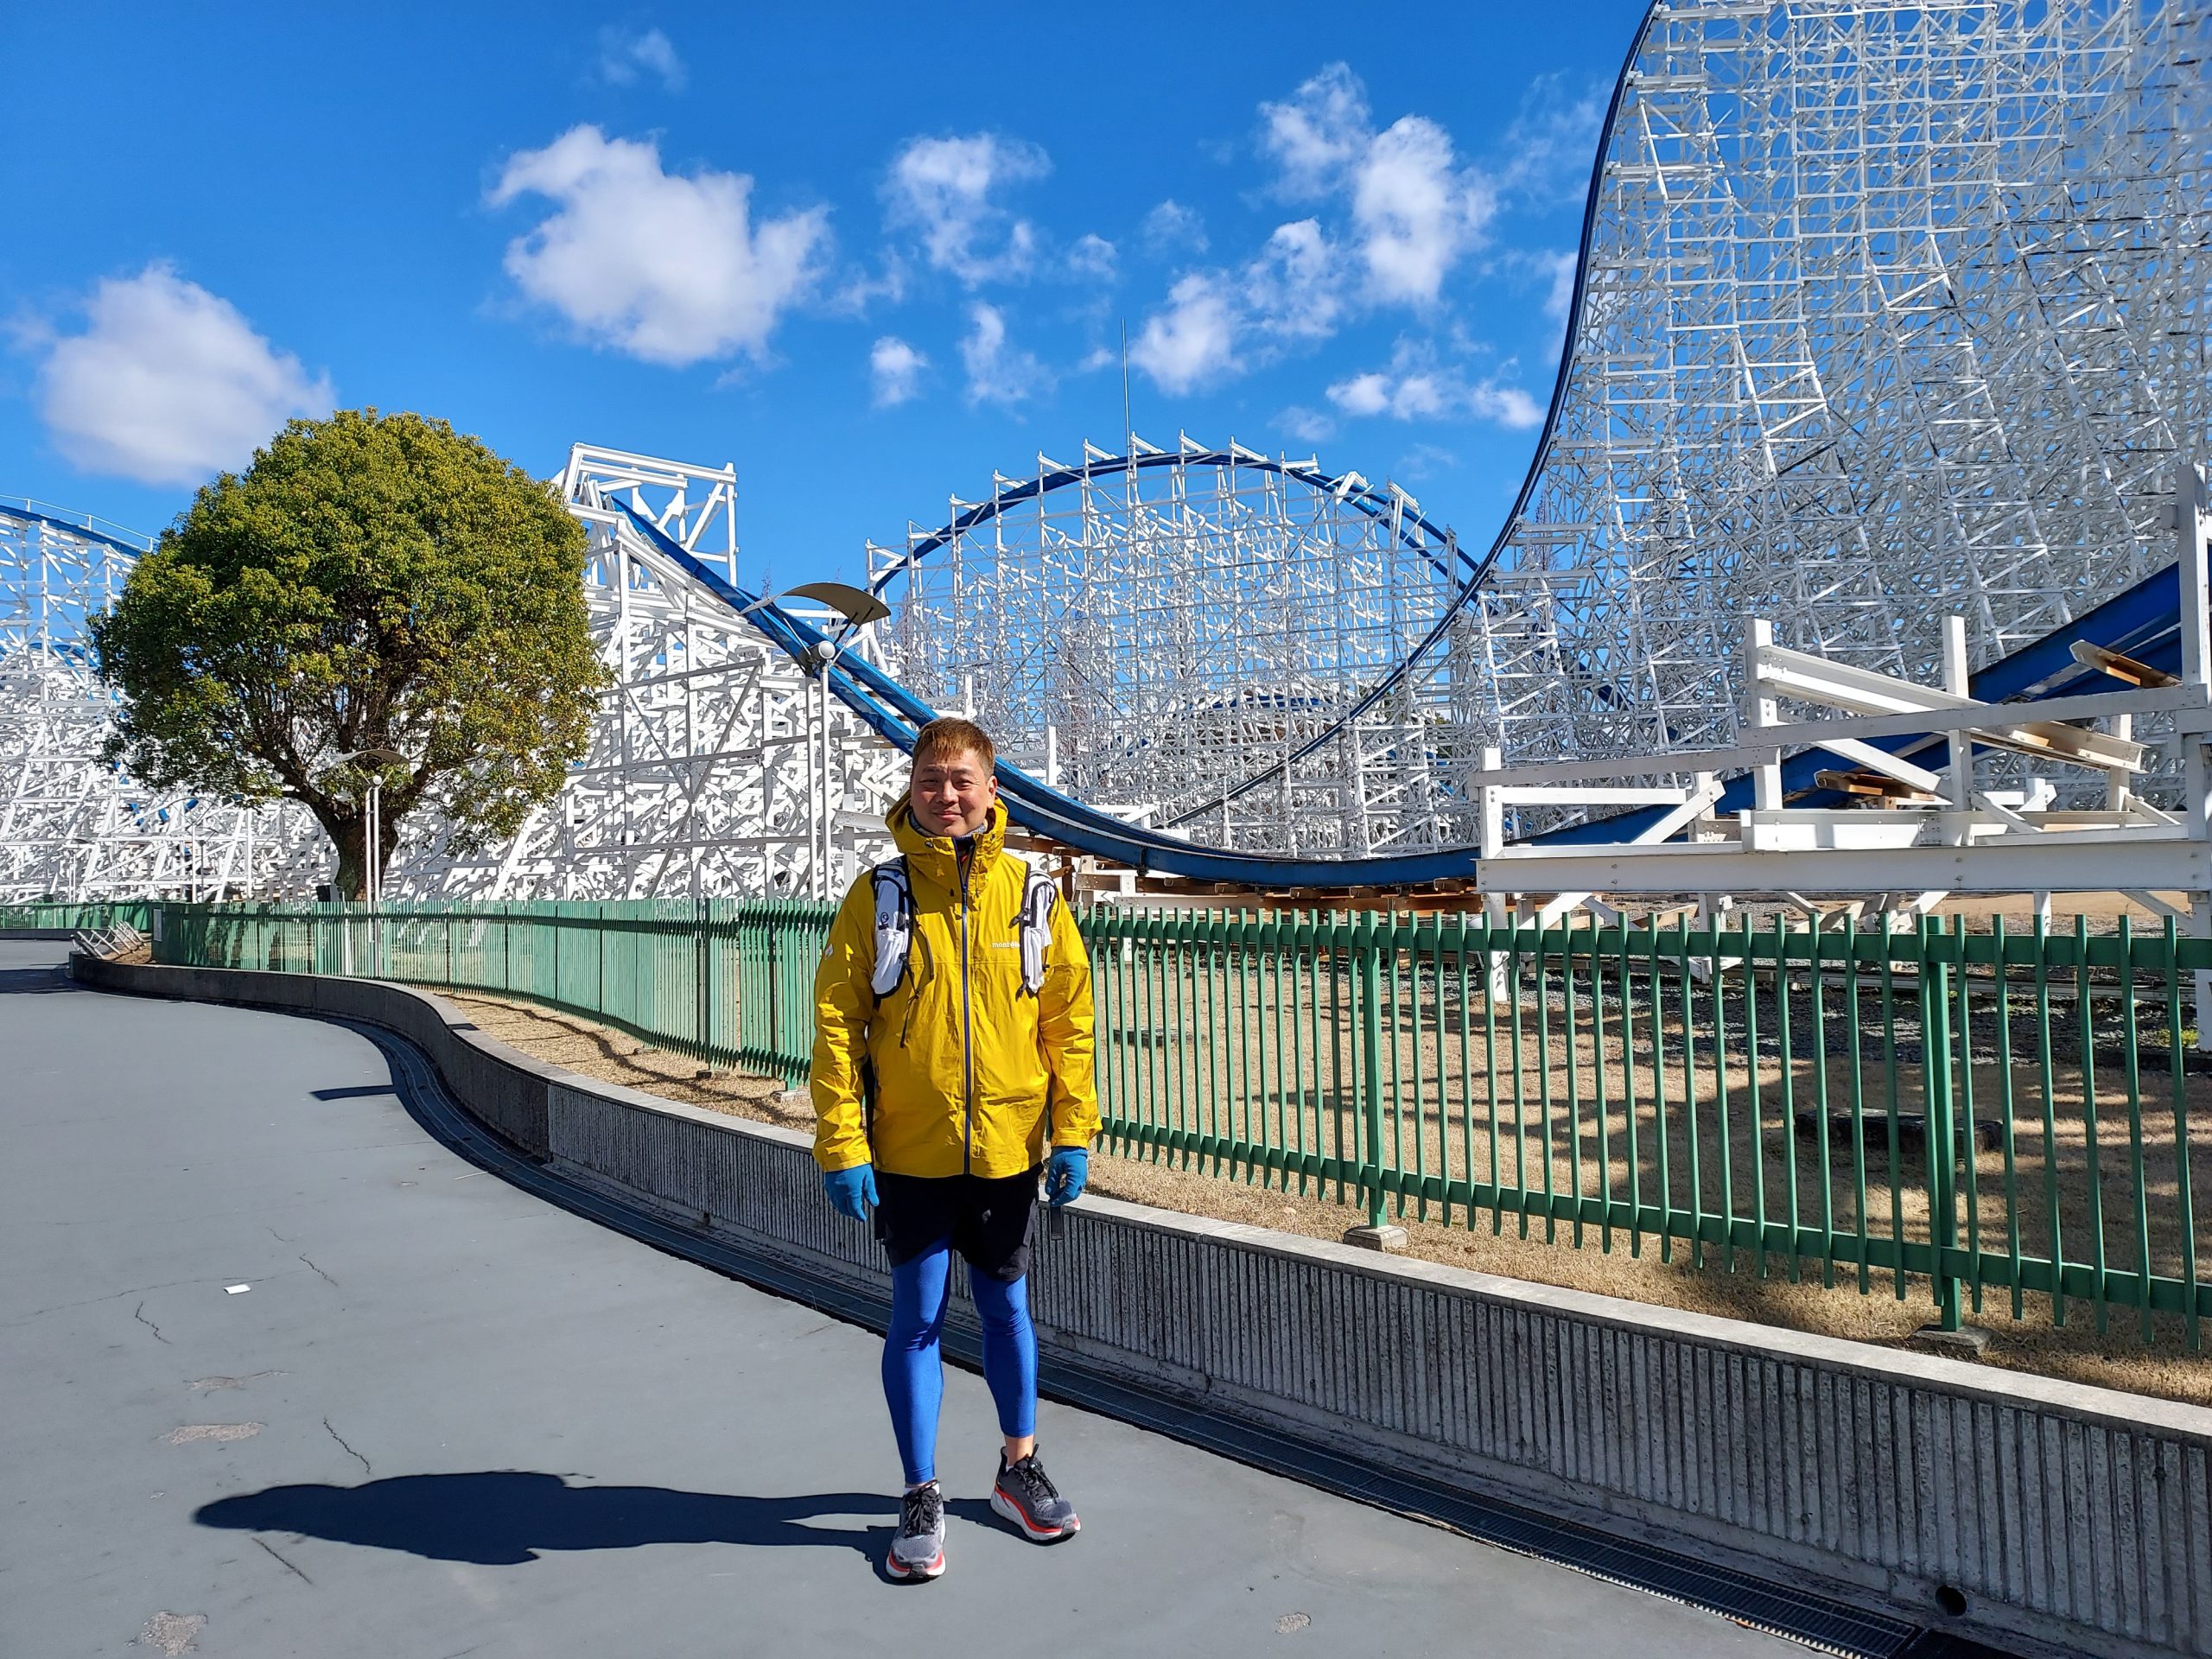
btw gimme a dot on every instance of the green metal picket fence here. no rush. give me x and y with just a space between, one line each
729 983
72 918
1761 1099
1981 1117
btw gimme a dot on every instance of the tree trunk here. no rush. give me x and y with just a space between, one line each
348 826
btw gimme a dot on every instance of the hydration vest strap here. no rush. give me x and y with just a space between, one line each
894 925
1038 894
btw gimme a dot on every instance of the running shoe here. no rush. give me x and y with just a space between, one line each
1026 1496
917 1551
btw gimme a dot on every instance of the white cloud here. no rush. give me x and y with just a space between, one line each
1554 139
168 384
1416 388
666 267
1417 212
1295 287
1093 259
896 368
861 290
1318 130
1558 269
1307 425
1399 213
1293 291
1193 341
1363 394
945 190
1173 228
623 54
997 372
1426 461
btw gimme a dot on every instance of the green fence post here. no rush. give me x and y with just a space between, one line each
1942 1140
701 993
775 976
1369 946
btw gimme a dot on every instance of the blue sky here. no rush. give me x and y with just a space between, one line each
870 254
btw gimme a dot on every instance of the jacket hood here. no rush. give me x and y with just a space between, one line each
934 855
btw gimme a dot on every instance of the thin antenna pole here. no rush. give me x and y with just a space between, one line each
1128 430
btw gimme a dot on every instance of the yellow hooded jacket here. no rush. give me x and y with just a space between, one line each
971 1073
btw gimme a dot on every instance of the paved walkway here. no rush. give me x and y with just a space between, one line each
445 1418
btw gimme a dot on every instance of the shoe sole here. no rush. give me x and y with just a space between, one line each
898 1569
1013 1511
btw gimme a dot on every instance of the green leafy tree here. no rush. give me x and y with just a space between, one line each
368 582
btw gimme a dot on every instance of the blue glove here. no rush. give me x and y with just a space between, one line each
849 1189
1064 1175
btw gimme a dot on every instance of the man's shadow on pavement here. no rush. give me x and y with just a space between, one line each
504 1518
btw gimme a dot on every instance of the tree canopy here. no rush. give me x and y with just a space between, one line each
369 581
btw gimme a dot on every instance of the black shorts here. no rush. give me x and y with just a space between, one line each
988 1222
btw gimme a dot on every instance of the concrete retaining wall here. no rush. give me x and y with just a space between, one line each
2070 1519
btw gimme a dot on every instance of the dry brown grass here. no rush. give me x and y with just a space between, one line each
2120 1359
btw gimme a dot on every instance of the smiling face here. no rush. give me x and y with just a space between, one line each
952 793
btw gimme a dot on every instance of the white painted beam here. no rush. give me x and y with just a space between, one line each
2016 864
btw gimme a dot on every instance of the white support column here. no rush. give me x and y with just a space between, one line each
1767 781
1489 813
1497 976
1490 806
2193 531
2118 781
830 797
823 878
803 724
623 671
1960 745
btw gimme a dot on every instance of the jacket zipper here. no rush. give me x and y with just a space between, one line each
967 1029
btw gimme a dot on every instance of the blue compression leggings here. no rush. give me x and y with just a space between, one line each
914 1375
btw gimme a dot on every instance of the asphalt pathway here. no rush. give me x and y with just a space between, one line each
443 1417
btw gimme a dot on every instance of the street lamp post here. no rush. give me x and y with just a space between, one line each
859 607
373 844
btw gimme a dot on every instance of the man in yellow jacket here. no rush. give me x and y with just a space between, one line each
952 1059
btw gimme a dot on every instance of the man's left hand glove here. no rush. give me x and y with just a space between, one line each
1065 1175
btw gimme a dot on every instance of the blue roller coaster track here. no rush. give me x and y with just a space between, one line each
2143 623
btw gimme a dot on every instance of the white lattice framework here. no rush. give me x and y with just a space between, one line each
72 827
1143 626
1886 311
1889 313
715 768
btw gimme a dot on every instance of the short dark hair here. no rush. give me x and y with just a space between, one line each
944 738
